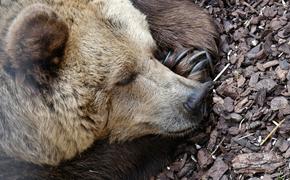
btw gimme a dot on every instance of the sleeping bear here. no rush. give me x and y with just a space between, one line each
84 93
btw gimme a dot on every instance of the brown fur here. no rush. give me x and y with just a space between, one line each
105 82
179 24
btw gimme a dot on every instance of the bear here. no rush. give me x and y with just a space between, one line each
83 76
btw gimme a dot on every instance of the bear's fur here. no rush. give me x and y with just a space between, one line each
78 72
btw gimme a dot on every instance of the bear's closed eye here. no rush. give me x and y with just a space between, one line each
127 80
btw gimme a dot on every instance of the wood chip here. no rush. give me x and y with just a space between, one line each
253 163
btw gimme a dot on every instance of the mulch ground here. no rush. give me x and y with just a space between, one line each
248 134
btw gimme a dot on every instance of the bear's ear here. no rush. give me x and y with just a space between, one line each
35 44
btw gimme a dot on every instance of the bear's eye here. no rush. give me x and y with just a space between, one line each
127 80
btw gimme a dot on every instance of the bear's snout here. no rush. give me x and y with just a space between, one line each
195 103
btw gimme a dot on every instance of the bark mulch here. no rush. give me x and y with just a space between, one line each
248 133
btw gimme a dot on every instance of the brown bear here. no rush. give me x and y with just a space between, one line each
80 74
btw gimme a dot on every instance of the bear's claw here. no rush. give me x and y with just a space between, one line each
189 62
173 59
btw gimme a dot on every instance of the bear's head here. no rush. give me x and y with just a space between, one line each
85 71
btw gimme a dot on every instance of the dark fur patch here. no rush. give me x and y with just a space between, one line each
138 159
179 24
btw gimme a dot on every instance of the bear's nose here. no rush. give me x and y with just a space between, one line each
196 101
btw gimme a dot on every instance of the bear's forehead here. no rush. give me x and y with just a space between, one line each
105 28
132 20
104 18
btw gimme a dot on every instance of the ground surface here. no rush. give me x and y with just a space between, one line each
249 132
